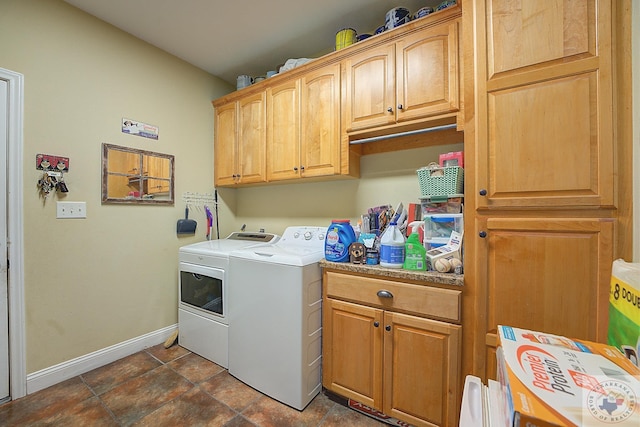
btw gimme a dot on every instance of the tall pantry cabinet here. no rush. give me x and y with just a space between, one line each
540 170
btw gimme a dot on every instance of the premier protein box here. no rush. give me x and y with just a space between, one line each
550 380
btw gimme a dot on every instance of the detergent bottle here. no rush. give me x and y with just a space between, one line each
415 252
392 247
339 236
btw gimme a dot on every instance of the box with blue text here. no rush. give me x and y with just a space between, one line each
551 380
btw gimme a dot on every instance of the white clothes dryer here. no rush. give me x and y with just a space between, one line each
203 309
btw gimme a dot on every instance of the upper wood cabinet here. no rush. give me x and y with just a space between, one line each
544 96
303 132
298 124
240 141
414 77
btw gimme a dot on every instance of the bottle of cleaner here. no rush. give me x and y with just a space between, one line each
339 236
392 247
415 252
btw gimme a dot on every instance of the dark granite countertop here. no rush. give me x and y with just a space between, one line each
396 273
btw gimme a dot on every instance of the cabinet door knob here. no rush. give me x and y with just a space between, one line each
483 192
390 110
387 328
399 106
482 234
384 294
295 168
376 324
301 167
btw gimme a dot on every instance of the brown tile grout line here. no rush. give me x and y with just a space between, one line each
237 413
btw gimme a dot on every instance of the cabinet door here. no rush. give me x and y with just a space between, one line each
352 351
252 137
283 132
544 104
427 75
546 274
225 148
369 98
421 370
320 112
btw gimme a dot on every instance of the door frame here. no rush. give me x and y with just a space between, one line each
15 233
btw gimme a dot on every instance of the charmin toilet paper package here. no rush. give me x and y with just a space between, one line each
551 380
624 309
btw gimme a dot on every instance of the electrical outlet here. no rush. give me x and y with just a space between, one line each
66 210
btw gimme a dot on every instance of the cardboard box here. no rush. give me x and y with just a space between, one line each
449 251
552 380
453 158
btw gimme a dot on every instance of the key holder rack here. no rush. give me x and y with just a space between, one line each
53 178
46 162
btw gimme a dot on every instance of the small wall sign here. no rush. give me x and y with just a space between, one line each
135 127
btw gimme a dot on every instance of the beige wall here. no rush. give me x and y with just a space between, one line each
96 282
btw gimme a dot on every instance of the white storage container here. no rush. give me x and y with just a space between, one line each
435 242
440 226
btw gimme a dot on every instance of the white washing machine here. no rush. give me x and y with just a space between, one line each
203 309
275 320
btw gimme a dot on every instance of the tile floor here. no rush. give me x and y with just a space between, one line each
168 387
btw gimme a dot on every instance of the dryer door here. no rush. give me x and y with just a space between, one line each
202 289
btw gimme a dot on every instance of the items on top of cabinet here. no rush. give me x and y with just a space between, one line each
445 4
442 225
340 235
450 204
447 258
414 252
440 181
423 11
243 81
452 158
373 225
345 37
439 227
396 17
392 247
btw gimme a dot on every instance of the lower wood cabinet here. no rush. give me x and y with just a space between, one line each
543 274
404 365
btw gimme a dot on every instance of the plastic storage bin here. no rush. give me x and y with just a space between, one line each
435 242
440 226
451 204
437 181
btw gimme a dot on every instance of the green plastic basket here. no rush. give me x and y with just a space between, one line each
441 181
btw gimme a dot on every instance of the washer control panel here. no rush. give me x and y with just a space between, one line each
304 236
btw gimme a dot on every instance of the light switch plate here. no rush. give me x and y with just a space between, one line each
66 210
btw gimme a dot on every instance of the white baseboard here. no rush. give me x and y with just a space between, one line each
72 368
